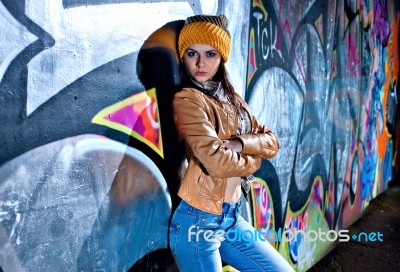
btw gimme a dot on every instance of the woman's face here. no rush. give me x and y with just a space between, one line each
201 61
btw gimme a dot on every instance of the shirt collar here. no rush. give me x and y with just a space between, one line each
213 88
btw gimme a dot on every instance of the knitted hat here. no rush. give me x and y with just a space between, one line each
206 29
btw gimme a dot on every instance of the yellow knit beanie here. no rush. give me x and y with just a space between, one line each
206 29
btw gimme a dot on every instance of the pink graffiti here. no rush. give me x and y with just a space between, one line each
262 207
381 27
353 56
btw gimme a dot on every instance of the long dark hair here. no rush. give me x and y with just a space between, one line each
221 76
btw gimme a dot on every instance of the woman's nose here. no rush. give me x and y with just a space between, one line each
200 61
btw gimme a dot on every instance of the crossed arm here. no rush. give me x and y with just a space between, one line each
239 156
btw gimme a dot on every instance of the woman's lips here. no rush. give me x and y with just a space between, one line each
200 73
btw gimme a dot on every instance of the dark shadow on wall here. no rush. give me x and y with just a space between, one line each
136 213
135 210
158 67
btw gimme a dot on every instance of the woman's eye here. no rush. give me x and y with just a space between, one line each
191 53
211 54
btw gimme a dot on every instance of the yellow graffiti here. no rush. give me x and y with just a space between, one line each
260 5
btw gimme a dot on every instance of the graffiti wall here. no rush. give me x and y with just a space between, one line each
89 155
323 74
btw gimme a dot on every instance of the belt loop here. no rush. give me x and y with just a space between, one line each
237 209
187 206
190 208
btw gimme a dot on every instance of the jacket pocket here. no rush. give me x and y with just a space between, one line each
231 124
227 120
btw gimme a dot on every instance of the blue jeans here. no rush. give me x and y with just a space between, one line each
200 241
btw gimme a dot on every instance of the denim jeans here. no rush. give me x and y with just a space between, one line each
200 241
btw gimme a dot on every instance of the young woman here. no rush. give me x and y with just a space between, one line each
224 146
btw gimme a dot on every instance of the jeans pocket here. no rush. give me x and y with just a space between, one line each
173 236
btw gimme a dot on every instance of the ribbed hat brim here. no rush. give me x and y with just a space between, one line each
204 33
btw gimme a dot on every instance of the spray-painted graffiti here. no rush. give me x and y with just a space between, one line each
89 159
319 75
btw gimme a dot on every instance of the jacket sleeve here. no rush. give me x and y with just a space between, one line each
264 143
194 125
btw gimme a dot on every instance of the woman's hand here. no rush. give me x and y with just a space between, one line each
234 145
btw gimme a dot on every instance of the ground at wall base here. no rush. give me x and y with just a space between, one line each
383 215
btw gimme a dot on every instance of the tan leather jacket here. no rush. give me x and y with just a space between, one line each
203 122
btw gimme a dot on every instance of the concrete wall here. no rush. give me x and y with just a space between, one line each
89 157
